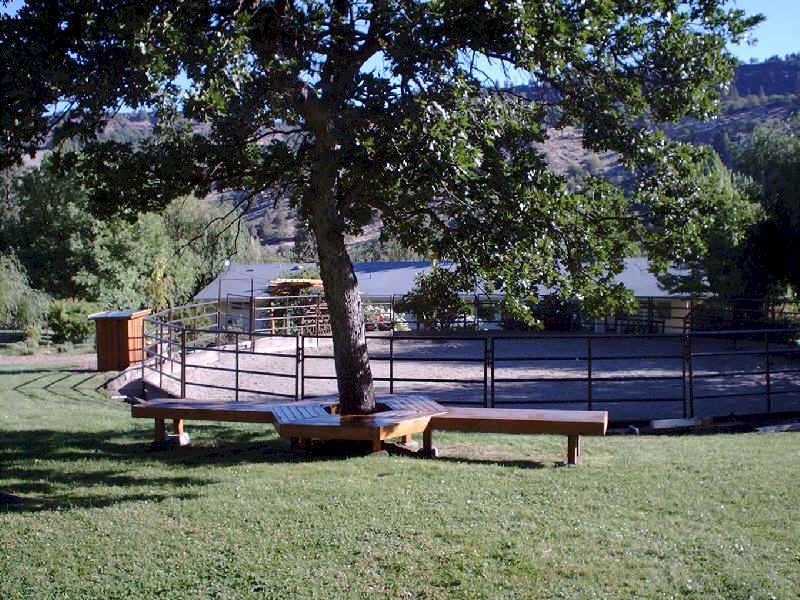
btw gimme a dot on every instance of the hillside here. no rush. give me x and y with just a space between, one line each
774 76
761 92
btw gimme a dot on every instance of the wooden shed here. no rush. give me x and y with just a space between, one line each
119 338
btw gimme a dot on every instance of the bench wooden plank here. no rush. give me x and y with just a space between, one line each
521 421
206 414
572 423
242 412
299 414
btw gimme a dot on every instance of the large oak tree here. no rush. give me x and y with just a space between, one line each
364 109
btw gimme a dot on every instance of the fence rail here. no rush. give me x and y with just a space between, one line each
743 370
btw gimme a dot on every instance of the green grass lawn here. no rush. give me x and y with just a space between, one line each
239 516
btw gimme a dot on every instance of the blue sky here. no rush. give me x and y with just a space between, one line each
779 34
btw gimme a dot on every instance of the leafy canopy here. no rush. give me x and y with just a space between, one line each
156 260
385 104
723 263
435 300
21 307
772 159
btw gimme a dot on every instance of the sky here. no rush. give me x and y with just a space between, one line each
777 35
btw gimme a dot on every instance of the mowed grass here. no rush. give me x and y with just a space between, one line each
239 516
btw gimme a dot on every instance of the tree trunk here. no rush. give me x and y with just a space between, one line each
353 373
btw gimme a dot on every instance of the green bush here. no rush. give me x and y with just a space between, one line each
69 320
435 300
21 307
557 314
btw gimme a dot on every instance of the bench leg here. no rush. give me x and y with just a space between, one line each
160 431
574 449
427 450
408 439
300 443
377 445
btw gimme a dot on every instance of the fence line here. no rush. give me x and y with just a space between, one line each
169 344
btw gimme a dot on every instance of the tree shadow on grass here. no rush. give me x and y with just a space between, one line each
498 462
47 469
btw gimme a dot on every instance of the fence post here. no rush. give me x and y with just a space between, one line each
144 357
169 335
302 366
252 315
391 311
767 373
690 360
485 372
491 357
684 359
183 363
589 371
319 316
297 360
158 357
391 363
236 365
219 295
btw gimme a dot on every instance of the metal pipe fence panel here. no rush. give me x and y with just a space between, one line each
635 377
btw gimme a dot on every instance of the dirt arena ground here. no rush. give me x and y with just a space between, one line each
632 378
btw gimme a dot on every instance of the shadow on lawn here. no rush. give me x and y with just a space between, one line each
52 470
499 462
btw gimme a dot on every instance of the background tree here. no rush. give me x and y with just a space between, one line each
154 260
434 301
21 307
43 218
726 259
207 235
772 159
364 108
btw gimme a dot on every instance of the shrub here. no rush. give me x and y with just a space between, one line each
435 300
69 320
21 307
557 314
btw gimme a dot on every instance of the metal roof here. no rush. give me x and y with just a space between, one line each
387 278
119 314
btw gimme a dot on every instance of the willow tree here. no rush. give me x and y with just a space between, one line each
363 109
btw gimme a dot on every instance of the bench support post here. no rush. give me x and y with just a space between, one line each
574 450
160 431
428 450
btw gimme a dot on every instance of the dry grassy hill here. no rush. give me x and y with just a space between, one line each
762 92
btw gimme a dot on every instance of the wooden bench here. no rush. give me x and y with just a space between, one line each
402 416
309 419
179 410
572 423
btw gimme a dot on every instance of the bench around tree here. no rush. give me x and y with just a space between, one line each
406 415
